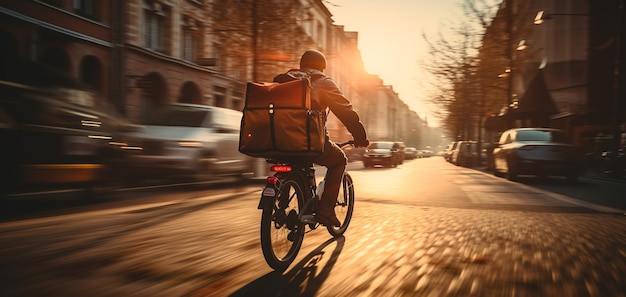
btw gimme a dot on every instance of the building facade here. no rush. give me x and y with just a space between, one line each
137 55
78 42
563 60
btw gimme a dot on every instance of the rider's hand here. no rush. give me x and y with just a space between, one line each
361 142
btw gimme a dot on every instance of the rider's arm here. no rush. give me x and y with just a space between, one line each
332 97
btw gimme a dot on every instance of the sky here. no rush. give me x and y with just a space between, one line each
392 45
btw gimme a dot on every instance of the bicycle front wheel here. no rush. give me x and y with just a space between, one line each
281 230
344 207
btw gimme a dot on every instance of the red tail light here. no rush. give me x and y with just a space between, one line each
280 168
272 180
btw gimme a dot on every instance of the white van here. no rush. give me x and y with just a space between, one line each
192 140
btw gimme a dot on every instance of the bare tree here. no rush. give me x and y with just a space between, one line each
454 60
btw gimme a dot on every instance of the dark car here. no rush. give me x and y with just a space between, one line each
399 147
381 153
537 151
51 137
411 153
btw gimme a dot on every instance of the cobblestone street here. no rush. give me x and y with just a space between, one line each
431 229
493 240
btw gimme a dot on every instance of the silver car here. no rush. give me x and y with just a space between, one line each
465 153
537 151
190 140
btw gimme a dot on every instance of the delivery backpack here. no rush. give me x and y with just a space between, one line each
278 121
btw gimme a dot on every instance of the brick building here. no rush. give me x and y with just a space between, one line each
139 54
79 43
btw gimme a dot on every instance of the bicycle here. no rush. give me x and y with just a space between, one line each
288 201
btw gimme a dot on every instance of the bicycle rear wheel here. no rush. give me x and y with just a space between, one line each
282 232
344 207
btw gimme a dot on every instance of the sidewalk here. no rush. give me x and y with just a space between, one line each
589 173
600 189
596 174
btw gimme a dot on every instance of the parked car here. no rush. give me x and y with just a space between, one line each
410 153
447 153
399 146
381 153
425 153
537 151
191 141
353 153
55 133
465 154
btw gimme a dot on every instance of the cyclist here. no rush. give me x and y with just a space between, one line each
326 95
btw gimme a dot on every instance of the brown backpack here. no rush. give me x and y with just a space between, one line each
278 121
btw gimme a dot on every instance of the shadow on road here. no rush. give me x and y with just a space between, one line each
68 201
304 279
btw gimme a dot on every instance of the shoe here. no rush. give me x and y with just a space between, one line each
327 218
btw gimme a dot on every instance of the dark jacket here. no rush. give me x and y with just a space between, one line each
328 96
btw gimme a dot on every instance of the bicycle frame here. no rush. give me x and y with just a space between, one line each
307 173
288 203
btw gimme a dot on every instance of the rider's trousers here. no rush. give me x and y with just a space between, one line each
335 162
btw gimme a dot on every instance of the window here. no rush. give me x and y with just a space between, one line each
220 96
505 138
56 3
237 98
154 26
542 135
320 35
188 45
190 38
85 8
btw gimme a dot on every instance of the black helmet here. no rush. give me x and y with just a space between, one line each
313 59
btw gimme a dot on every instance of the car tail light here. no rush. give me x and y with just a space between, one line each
280 168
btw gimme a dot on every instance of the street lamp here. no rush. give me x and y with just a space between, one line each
544 16
523 44
506 73
541 17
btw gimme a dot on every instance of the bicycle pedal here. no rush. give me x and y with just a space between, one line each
308 219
